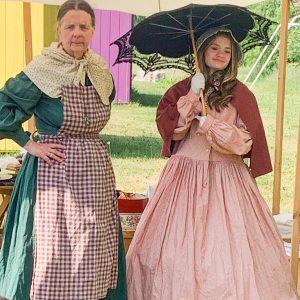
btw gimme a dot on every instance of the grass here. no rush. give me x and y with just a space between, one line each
135 143
267 102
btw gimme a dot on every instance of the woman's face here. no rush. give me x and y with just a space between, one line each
218 54
75 32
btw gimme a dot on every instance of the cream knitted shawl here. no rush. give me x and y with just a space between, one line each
54 68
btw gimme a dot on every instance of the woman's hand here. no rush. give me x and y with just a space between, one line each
201 119
197 83
48 152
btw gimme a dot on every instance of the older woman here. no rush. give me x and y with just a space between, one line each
62 239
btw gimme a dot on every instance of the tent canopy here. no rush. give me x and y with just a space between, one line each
146 7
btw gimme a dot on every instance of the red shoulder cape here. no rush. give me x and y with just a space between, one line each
245 103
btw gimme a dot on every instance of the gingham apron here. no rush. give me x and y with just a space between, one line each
76 229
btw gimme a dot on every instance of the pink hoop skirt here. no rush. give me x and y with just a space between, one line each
207 233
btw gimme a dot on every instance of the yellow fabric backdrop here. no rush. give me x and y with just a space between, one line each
12 50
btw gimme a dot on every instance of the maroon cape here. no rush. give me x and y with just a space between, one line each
245 103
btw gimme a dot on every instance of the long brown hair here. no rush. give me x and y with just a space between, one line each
219 84
77 5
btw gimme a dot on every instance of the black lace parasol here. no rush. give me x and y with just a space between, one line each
163 40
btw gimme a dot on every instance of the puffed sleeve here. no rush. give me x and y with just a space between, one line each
188 107
18 99
226 138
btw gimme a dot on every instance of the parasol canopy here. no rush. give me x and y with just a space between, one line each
165 37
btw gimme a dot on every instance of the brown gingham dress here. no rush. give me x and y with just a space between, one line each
76 225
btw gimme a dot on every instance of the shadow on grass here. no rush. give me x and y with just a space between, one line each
132 146
144 99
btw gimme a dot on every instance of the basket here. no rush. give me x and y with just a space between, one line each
131 207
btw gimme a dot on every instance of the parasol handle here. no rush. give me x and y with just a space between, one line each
194 44
203 112
197 66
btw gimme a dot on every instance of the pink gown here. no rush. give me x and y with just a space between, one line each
207 233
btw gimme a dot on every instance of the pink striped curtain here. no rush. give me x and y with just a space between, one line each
110 25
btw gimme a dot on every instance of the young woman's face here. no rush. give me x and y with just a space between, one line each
75 32
218 53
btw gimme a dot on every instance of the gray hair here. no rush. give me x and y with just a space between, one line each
77 5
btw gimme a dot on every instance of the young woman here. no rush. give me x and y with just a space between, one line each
62 239
207 233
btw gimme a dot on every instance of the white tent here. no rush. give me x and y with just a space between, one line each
148 7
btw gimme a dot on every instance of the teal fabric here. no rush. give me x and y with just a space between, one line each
19 99
120 293
16 257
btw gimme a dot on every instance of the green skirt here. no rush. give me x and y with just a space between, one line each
16 256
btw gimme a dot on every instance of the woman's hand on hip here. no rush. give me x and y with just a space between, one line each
47 152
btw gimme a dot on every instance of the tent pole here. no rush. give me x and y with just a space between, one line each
28 46
27 31
296 217
285 8
158 5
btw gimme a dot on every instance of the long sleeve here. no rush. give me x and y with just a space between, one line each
167 114
188 107
226 138
18 99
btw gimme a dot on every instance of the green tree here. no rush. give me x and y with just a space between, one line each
271 9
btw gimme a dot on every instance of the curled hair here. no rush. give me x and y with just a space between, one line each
77 5
220 83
